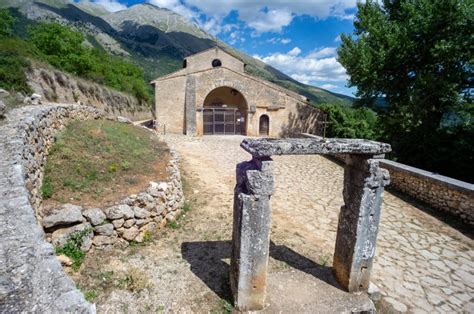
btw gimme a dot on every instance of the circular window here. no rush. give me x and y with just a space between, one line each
216 63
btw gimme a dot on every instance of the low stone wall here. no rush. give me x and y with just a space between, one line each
133 219
440 192
57 86
444 193
31 277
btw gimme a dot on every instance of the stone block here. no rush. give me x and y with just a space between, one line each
358 223
251 235
66 215
94 215
106 229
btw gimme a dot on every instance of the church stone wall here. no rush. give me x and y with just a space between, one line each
203 61
170 100
179 104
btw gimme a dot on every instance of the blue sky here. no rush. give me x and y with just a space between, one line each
299 37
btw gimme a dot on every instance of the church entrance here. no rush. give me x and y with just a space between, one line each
224 112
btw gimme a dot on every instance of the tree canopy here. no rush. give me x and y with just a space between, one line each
6 23
417 55
64 48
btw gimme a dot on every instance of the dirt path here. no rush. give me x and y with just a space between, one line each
422 264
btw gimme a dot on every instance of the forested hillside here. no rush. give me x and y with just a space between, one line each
155 39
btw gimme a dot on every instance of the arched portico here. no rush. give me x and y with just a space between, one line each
224 111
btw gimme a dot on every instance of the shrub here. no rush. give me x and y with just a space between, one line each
47 188
72 248
63 48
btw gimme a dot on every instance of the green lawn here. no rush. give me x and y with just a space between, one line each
100 161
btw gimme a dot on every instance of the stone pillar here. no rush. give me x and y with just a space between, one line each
358 224
251 233
190 106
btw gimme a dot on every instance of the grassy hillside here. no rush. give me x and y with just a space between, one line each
156 39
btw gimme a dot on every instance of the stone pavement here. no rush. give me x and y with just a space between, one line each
422 265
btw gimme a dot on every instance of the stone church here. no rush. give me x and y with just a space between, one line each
212 94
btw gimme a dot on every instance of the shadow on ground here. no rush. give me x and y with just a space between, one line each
207 262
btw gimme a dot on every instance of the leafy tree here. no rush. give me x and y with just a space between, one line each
417 55
6 23
64 48
61 47
349 122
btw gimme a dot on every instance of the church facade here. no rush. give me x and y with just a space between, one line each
212 95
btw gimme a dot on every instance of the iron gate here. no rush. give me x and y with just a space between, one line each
225 121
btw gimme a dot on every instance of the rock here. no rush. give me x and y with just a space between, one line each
120 231
170 217
60 236
374 292
130 233
150 227
3 109
118 223
154 191
106 230
160 209
128 223
163 186
123 119
94 215
34 99
66 215
140 222
102 240
141 213
119 211
64 260
3 93
140 237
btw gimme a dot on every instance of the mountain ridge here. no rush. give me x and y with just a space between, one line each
157 39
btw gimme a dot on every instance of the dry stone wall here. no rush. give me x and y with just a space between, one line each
32 279
133 219
56 86
31 276
444 193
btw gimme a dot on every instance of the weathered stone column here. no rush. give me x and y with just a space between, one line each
190 105
359 218
251 233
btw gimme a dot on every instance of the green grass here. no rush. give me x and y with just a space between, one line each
93 159
72 248
90 295
173 225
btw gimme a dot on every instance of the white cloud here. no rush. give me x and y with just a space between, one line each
294 52
109 5
272 15
277 40
337 39
324 52
315 66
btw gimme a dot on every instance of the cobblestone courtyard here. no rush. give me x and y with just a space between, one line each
421 264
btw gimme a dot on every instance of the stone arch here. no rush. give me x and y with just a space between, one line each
264 125
224 111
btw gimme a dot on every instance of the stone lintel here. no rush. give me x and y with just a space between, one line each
309 146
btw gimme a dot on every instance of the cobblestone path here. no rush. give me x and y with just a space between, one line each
422 265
